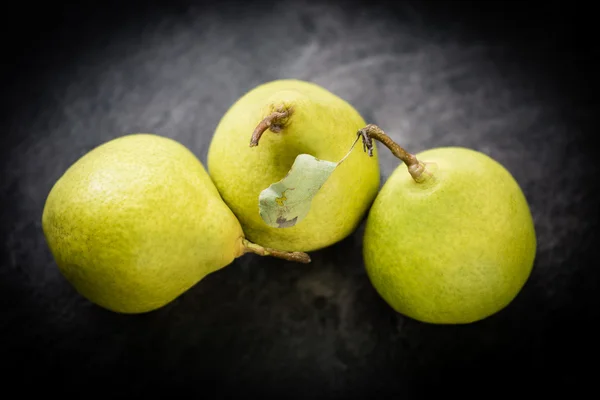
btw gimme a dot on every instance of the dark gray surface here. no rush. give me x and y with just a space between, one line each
267 326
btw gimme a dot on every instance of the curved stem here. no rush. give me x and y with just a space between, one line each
416 168
272 121
296 256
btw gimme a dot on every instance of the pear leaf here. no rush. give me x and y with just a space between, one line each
287 202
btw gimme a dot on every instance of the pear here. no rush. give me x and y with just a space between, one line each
449 238
301 118
137 221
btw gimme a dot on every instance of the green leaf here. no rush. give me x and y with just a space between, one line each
287 202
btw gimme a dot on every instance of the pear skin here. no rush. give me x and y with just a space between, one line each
136 222
455 248
314 121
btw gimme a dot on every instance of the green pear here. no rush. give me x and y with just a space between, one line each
450 238
137 221
302 118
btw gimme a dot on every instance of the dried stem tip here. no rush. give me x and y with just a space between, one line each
296 256
272 121
416 168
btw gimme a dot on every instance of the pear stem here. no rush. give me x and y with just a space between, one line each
272 121
296 256
416 168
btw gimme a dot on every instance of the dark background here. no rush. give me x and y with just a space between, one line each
515 81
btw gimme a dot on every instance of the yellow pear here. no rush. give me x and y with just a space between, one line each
450 238
292 117
137 221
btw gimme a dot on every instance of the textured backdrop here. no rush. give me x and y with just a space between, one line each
427 75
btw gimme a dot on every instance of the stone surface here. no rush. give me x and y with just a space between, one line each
263 326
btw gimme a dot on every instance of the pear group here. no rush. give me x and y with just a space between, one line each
138 220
